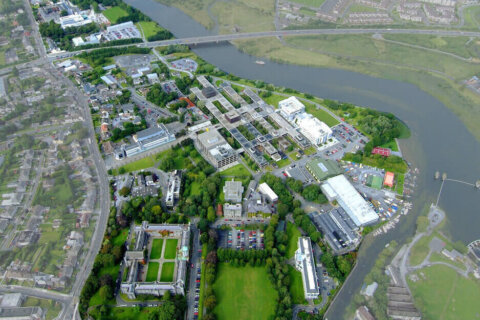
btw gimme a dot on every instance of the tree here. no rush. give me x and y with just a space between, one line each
105 293
210 302
125 191
211 214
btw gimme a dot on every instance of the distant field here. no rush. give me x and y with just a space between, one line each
167 272
114 13
361 8
243 293
171 249
152 272
441 293
157 246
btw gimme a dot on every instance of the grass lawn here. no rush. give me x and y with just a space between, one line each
236 171
400 182
150 28
293 234
113 271
152 272
49 236
167 272
243 293
114 13
274 99
96 300
284 162
126 313
195 188
171 249
157 246
121 238
420 250
321 115
441 293
361 8
296 286
391 145
140 164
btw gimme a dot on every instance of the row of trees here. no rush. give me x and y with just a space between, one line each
237 257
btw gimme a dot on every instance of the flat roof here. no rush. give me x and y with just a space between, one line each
340 189
308 265
322 169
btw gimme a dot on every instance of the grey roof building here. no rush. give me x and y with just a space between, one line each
216 149
305 263
233 191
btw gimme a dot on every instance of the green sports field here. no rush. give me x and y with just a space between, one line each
156 252
167 272
152 272
243 293
442 293
170 249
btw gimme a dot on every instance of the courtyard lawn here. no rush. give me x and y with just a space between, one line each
284 162
293 234
152 272
243 293
195 188
167 272
296 286
114 13
170 249
441 293
157 246
237 171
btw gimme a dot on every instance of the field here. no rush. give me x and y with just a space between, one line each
171 249
150 28
125 313
360 8
114 13
140 164
152 272
167 272
296 286
157 246
243 293
293 234
441 293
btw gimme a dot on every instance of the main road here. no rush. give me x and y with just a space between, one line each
282 33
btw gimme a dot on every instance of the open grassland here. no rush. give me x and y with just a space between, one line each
170 249
152 272
293 234
310 3
243 293
472 18
460 46
247 16
167 272
441 293
321 114
157 246
114 13
437 74
296 286
360 8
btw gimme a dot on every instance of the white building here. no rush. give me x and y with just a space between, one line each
313 129
340 189
74 20
265 189
290 108
305 263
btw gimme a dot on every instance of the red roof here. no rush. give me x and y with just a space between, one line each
190 103
104 127
382 151
388 180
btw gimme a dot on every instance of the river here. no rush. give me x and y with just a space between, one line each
439 140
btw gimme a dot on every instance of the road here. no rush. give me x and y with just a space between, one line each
283 33
197 262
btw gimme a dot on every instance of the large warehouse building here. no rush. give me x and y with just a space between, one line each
322 169
340 189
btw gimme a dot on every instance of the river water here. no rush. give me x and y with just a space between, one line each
439 140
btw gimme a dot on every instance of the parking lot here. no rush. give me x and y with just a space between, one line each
241 239
349 140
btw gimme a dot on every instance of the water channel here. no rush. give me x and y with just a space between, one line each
439 140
